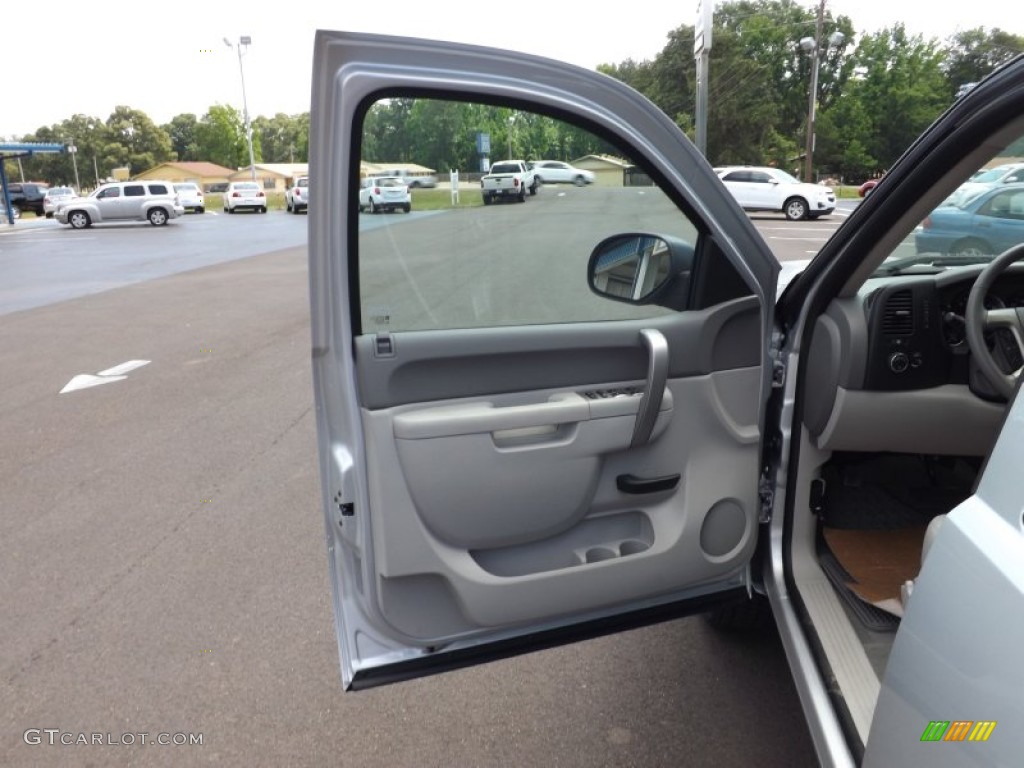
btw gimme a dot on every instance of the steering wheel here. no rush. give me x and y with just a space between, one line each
980 319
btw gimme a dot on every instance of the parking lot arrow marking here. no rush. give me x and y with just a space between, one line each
84 381
117 373
123 368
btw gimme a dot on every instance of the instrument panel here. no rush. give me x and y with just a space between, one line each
917 327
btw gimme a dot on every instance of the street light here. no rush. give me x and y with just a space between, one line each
246 41
811 46
73 151
511 125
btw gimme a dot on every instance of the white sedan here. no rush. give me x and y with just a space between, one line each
244 194
190 195
557 172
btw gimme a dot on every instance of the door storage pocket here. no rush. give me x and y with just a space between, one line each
592 542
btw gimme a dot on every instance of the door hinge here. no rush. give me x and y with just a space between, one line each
817 498
346 508
778 374
766 491
775 354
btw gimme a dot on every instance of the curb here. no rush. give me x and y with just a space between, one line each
23 225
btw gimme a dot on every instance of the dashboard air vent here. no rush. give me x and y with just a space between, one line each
898 319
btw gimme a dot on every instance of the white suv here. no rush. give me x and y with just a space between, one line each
384 193
296 197
769 189
557 172
152 201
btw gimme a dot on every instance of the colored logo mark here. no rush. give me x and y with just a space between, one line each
958 730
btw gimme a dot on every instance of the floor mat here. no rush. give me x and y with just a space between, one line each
891 492
877 562
870 617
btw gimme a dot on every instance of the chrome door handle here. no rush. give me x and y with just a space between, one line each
657 376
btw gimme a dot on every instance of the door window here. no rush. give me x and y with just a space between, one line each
520 261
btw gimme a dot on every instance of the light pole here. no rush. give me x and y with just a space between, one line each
812 46
73 151
246 41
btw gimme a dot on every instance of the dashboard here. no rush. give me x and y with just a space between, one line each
917 330
889 368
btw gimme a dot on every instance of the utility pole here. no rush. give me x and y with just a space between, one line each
702 56
73 151
245 40
812 104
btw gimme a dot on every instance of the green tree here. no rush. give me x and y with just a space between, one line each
674 78
442 134
847 132
759 79
637 75
901 90
974 53
384 135
283 138
182 130
438 134
133 140
220 138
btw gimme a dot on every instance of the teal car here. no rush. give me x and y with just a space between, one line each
981 226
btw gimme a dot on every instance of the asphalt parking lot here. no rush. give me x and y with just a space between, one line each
791 240
166 571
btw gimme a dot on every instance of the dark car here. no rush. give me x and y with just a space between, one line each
865 189
983 225
28 196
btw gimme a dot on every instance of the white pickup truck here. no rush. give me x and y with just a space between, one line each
508 180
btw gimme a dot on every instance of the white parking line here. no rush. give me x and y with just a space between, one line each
798 229
75 238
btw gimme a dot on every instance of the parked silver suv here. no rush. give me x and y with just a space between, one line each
152 201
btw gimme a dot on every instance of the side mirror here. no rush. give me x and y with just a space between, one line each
642 269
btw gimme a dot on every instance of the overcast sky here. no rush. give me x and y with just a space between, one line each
168 58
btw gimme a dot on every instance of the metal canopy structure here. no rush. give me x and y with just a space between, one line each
15 150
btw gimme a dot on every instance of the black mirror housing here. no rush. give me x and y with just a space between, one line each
638 268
